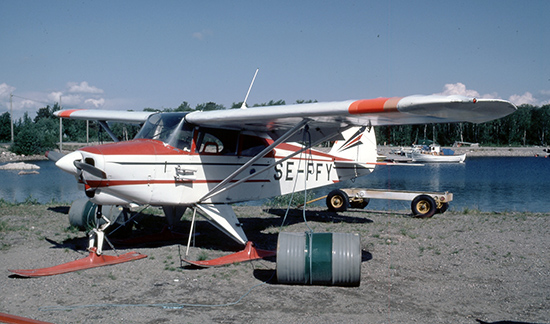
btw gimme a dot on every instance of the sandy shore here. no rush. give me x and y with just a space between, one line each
452 268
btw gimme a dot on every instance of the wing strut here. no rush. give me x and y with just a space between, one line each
108 130
260 155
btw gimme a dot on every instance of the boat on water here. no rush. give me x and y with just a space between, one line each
435 154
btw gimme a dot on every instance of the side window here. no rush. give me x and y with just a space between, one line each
216 141
210 144
252 145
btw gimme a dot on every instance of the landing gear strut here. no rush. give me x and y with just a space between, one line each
93 260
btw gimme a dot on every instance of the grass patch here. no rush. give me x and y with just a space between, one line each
4 227
203 255
291 199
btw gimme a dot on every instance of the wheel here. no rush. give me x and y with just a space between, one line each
442 209
337 200
359 204
423 206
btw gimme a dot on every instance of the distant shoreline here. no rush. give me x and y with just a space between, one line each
484 151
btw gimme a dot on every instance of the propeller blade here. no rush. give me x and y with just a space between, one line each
90 169
54 156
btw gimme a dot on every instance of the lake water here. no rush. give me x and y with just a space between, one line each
484 183
51 184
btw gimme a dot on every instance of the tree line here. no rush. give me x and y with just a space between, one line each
528 126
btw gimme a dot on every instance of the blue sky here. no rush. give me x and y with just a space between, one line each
137 54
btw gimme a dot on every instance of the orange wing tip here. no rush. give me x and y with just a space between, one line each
374 105
67 113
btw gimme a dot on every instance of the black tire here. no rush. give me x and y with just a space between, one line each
337 201
423 206
444 207
359 204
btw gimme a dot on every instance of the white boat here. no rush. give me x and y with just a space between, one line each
435 154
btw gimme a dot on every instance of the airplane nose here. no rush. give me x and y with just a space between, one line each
66 163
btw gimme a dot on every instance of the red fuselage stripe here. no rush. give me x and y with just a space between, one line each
112 183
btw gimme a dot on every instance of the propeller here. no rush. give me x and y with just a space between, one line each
90 169
54 156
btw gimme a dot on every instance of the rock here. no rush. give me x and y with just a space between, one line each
19 166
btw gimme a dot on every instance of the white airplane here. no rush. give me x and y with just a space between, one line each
208 160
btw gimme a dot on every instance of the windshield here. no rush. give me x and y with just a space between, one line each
163 127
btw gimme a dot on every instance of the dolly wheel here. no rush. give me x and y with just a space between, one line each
359 204
442 209
337 201
423 206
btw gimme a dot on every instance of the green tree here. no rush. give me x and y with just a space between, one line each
209 106
280 102
184 107
35 138
301 101
5 127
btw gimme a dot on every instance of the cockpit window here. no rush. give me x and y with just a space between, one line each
183 138
162 127
172 129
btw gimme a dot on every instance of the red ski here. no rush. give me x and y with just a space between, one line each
249 253
91 261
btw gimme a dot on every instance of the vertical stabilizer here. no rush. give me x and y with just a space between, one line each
359 144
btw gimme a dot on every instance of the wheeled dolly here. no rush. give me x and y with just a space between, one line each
423 204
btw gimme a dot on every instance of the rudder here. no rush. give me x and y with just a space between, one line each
359 144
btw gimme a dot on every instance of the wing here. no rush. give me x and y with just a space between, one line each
326 119
105 115
332 117
369 112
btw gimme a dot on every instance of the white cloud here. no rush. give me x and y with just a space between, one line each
55 96
95 102
83 87
6 90
541 99
526 98
202 34
453 89
458 89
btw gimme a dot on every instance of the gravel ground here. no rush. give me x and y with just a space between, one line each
453 268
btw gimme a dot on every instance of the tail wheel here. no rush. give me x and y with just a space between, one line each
337 201
423 206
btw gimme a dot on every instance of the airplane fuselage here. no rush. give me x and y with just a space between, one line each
185 164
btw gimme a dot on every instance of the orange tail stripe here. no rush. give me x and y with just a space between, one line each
374 105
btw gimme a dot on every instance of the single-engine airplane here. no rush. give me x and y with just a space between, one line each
208 160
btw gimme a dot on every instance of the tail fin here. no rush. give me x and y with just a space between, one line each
359 144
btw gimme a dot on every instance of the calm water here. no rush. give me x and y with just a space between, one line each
487 184
484 183
51 184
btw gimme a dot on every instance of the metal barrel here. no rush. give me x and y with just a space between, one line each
319 259
82 214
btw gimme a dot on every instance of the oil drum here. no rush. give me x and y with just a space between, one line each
319 259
